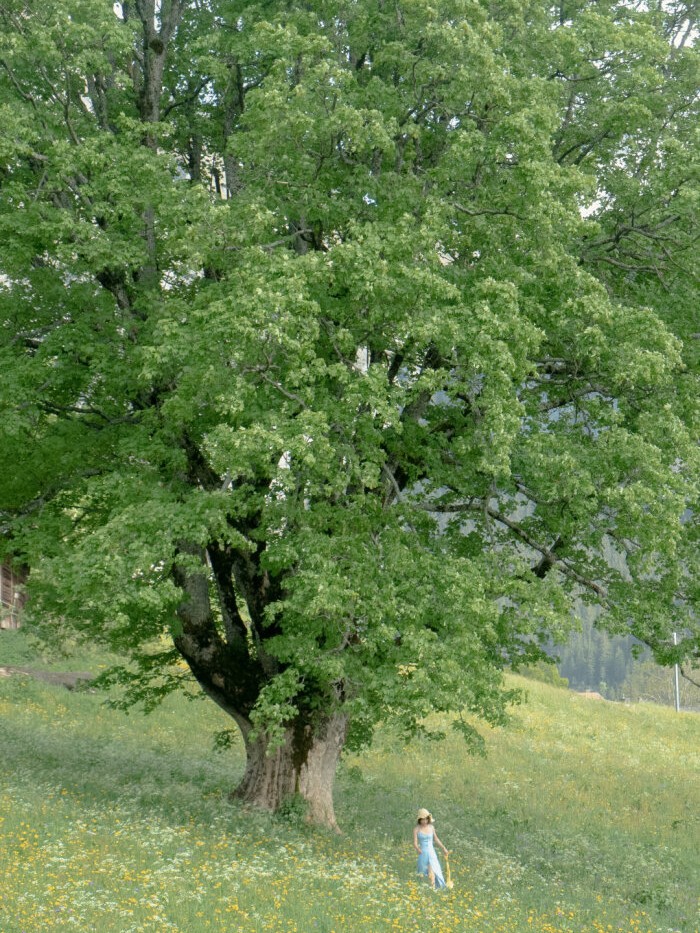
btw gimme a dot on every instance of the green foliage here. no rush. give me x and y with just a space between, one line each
340 348
15 649
293 810
545 673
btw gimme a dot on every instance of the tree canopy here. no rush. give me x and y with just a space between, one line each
342 344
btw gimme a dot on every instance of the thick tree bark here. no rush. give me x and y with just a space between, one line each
233 106
305 764
156 37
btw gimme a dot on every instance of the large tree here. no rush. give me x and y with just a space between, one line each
345 345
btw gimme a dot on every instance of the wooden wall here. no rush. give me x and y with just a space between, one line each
11 596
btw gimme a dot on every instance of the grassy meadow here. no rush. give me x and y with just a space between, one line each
583 817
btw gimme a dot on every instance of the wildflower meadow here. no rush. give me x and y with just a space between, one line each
582 817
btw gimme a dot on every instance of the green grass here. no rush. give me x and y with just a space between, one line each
583 817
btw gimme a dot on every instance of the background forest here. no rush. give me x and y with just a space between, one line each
593 660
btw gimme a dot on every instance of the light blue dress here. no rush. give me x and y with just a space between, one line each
428 859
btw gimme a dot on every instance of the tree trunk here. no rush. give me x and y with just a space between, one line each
305 761
305 764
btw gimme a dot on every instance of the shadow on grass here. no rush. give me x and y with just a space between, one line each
55 738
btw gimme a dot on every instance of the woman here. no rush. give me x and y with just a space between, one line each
424 836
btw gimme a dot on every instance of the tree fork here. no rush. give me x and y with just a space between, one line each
224 669
305 761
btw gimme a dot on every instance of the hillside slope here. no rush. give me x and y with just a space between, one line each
583 817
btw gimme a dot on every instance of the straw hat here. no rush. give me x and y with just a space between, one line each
424 814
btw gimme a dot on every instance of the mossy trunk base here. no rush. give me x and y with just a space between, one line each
305 764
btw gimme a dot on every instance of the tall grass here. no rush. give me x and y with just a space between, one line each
583 817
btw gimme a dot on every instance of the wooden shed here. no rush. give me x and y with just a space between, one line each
11 595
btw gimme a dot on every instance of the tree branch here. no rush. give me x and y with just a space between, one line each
486 212
687 677
392 481
550 558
